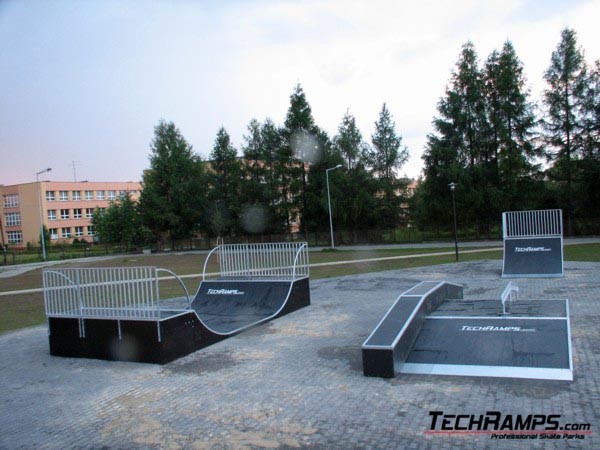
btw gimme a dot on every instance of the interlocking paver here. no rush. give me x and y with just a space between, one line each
295 382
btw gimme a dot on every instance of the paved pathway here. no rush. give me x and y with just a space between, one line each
297 381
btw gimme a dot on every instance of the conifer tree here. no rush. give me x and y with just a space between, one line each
173 195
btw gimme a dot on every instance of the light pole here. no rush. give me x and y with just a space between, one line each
37 179
452 188
329 202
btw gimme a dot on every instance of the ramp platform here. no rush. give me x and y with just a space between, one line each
474 338
117 314
533 243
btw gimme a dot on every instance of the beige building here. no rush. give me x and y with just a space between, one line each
66 209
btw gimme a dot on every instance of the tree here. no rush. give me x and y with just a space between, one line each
225 186
385 158
120 223
512 121
300 133
563 121
173 195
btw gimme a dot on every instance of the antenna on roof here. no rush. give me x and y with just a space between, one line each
75 164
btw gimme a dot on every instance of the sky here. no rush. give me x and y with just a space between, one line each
83 83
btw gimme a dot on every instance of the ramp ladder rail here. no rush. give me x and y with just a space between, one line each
540 223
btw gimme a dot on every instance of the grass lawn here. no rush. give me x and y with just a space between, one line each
23 310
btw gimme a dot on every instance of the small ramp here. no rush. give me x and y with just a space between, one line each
533 243
451 336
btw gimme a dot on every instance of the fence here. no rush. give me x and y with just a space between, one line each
116 293
282 261
540 223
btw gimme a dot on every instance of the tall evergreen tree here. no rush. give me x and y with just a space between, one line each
512 122
563 122
300 133
225 182
386 157
173 195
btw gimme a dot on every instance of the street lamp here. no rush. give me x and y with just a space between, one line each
37 179
329 202
452 187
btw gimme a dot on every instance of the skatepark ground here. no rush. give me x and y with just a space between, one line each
297 381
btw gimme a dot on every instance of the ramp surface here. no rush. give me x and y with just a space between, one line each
227 306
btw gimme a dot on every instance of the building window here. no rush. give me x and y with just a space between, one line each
64 213
50 196
51 214
78 231
112 195
14 237
66 232
77 213
53 233
76 195
12 219
122 194
89 213
90 230
63 196
102 210
11 201
89 195
99 195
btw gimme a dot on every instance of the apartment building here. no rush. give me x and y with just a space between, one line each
66 209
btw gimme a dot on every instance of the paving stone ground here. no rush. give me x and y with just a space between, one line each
297 381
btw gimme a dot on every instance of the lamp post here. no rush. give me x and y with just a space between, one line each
37 179
452 187
329 202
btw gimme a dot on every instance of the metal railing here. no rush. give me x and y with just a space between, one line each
119 293
540 223
509 295
280 261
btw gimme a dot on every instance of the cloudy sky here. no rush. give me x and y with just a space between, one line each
87 81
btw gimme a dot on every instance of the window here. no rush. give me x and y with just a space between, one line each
90 231
64 196
51 214
11 201
112 195
78 231
89 213
64 213
53 233
77 213
122 194
76 195
99 195
50 196
66 232
89 195
14 237
102 210
12 219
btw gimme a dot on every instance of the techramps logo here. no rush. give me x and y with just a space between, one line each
500 426
224 292
532 249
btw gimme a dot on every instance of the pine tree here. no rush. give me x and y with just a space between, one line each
225 182
563 122
386 157
173 195
512 122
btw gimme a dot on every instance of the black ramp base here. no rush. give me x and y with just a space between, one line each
520 348
533 257
230 309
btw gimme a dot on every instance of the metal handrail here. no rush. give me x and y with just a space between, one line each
507 294
187 294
